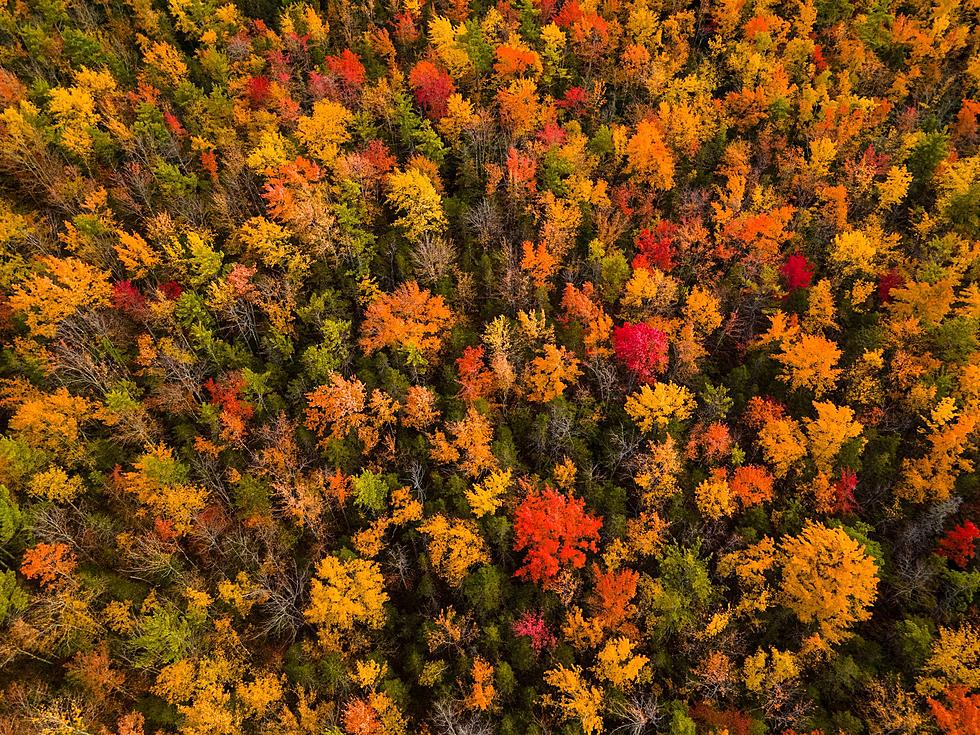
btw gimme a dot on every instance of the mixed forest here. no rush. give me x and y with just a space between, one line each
443 367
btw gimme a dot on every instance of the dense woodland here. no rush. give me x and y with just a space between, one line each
439 367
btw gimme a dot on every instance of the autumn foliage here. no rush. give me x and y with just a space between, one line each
478 368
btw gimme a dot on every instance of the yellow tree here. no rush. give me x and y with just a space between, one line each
346 593
47 300
415 196
577 698
828 579
455 546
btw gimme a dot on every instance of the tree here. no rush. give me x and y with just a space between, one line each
828 579
959 544
432 87
409 318
962 716
642 349
810 363
549 374
346 593
413 194
659 405
578 699
617 663
455 547
555 531
649 158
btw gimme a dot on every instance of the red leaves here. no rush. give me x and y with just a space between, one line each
797 272
642 349
958 544
348 68
844 492
887 282
532 625
476 380
556 531
656 247
127 298
432 87
257 90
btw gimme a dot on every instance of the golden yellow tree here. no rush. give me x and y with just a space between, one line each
828 579
455 547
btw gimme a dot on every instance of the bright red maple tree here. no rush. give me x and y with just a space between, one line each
642 349
556 531
959 544
797 272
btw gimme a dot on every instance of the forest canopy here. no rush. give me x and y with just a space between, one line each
443 367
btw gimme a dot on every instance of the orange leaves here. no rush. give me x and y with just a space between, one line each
410 319
48 563
961 716
612 596
828 579
538 262
584 306
649 158
47 300
549 375
555 531
337 408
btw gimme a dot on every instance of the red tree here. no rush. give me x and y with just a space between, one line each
656 247
556 531
797 272
432 87
533 626
642 349
958 544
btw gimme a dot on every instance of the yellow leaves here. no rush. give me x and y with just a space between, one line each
160 482
324 130
954 661
271 152
649 158
459 116
766 671
444 37
833 427
578 700
270 243
810 363
649 291
828 579
549 374
368 673
484 498
51 421
135 253
714 496
47 300
782 444
166 60
56 485
702 311
74 112
455 546
895 186
618 664
258 696
855 251
413 193
659 405
346 593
